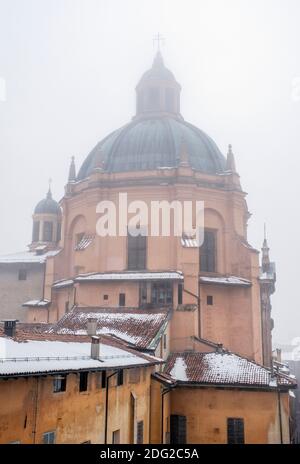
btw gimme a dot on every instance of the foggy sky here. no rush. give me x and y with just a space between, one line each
71 66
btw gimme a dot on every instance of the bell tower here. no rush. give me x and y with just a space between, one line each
47 217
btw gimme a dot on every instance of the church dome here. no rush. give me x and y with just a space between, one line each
48 206
153 143
155 136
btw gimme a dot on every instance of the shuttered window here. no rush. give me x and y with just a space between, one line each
235 431
177 429
140 433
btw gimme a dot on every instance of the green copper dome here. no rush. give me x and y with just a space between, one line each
153 143
154 138
48 206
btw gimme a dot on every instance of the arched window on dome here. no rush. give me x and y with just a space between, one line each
170 100
153 103
36 231
48 231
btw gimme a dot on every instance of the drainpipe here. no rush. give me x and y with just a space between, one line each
280 416
164 392
106 405
35 410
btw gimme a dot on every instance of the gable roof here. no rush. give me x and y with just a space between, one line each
222 368
138 327
34 354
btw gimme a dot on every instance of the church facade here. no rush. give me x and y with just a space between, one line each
213 301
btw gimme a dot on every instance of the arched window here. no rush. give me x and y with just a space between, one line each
36 231
208 252
136 252
48 231
58 235
170 100
153 99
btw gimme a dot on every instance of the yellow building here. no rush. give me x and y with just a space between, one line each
73 389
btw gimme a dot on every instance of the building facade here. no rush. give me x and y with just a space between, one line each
218 292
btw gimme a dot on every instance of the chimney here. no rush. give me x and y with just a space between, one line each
219 348
10 327
95 347
91 327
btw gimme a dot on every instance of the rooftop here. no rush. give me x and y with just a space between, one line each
222 368
27 257
127 275
44 353
141 328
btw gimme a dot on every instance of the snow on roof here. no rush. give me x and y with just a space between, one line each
63 283
188 242
178 371
27 257
141 328
39 356
170 275
37 303
221 368
85 242
232 280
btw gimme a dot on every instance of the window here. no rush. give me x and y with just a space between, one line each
58 233
161 293
105 297
121 299
48 231
235 431
101 379
140 433
210 300
153 99
177 429
165 342
49 438
120 378
208 252
143 293
136 259
67 307
180 291
36 231
78 238
170 100
116 437
22 274
60 384
83 381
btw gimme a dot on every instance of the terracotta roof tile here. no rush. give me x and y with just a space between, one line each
222 368
140 328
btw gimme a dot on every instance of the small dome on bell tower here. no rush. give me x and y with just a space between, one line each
47 218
